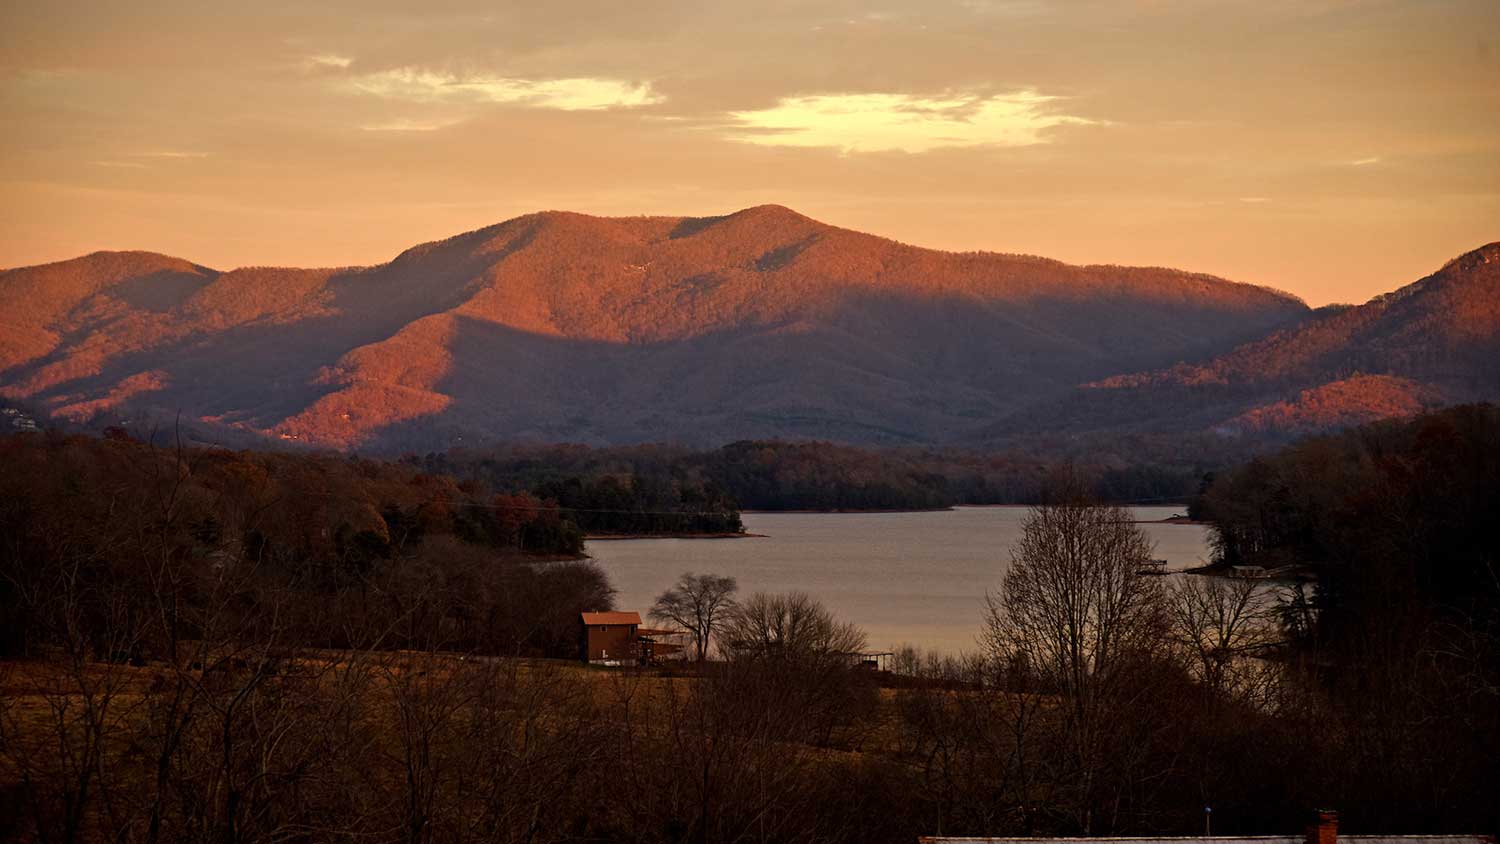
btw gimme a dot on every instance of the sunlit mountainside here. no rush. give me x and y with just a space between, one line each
1433 342
762 323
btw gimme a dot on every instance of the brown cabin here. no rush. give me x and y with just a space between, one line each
617 638
609 636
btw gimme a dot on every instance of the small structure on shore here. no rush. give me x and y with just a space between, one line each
654 646
877 661
1152 567
608 638
617 638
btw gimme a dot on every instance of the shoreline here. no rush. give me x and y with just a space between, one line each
542 559
1171 520
856 510
622 537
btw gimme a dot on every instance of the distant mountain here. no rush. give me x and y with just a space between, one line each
560 326
1436 341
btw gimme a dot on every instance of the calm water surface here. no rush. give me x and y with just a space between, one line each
916 578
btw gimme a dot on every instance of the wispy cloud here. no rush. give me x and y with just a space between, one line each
405 124
1365 162
329 61
141 160
571 94
1008 8
887 122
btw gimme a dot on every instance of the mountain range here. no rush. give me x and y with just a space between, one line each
763 323
1433 342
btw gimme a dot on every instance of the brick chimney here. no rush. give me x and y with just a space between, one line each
1325 829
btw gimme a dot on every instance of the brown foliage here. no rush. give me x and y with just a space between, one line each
119 515
1340 404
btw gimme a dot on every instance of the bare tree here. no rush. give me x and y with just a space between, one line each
797 662
1073 605
1219 624
794 624
697 603
1074 616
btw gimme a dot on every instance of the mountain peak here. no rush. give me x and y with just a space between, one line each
1474 259
771 211
117 263
564 326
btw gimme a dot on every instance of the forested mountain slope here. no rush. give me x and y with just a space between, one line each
559 326
1435 341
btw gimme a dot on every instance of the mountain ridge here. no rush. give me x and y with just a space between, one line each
1433 341
1477 311
558 325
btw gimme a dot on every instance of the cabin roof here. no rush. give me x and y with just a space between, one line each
593 618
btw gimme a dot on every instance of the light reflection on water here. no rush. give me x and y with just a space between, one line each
916 578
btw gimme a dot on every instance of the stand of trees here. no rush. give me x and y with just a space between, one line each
639 493
194 654
1107 702
1398 623
105 525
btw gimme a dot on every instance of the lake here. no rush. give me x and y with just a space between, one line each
905 578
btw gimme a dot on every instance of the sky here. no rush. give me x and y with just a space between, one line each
1335 149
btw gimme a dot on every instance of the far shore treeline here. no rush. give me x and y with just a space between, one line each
668 489
704 486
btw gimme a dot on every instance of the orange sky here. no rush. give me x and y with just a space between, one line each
1333 148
